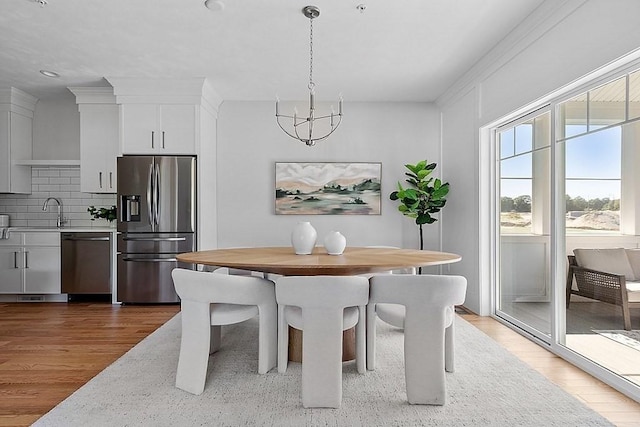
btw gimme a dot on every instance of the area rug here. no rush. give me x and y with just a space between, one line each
490 387
628 338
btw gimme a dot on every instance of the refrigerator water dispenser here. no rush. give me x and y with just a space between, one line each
130 211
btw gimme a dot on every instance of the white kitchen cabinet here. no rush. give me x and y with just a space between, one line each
10 271
42 270
98 148
30 263
99 138
16 140
158 128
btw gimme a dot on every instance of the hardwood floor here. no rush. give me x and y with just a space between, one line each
616 407
48 350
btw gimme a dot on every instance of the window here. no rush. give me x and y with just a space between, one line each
591 129
523 170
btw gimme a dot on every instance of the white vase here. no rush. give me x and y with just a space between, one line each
334 243
303 238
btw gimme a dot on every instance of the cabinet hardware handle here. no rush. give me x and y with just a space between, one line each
162 139
26 259
152 133
86 239
155 239
110 179
149 198
150 259
15 259
156 195
100 178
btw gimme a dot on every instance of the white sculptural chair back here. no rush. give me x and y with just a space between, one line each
209 301
392 314
428 301
322 307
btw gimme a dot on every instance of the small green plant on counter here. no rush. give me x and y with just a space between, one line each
102 213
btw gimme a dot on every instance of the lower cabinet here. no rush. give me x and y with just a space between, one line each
10 271
30 263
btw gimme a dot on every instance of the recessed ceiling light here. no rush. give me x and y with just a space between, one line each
49 73
215 5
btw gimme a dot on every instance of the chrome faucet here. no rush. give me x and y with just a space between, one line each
59 220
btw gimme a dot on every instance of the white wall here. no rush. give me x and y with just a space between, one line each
460 226
250 142
56 129
538 58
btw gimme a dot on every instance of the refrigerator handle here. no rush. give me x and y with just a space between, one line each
156 201
150 198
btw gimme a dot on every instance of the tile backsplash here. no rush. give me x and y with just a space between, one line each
63 183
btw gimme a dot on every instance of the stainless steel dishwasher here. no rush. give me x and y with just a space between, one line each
86 264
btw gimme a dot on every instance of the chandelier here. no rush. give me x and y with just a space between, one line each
300 127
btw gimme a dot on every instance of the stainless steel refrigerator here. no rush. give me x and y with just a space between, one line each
156 221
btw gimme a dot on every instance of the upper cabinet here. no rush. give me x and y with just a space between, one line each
16 140
159 129
163 116
99 138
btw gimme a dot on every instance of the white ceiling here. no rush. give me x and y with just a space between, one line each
403 50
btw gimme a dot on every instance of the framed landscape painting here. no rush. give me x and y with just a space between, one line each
328 188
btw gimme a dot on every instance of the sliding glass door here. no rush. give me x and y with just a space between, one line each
524 167
566 178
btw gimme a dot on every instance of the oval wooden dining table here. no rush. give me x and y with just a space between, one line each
282 260
353 261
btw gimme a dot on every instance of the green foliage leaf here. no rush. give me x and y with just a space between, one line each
412 168
423 174
411 204
109 214
411 193
424 218
413 182
421 165
425 194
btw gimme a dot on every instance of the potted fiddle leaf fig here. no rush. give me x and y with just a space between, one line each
424 196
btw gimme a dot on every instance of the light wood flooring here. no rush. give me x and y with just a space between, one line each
616 407
49 350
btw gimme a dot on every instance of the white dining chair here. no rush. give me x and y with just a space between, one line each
392 314
209 301
322 307
428 319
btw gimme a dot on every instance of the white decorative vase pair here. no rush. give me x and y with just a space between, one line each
304 236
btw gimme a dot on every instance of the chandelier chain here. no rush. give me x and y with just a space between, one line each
311 83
